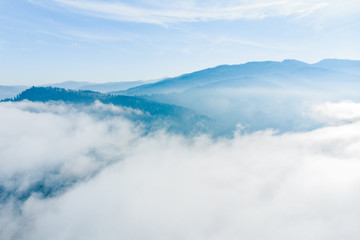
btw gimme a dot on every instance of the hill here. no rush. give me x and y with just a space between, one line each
99 87
288 73
155 115
259 95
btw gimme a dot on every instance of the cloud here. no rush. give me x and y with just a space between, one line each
164 186
335 113
164 12
90 37
47 147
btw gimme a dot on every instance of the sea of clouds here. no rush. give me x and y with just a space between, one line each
66 173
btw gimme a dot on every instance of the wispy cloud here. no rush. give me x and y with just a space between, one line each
228 40
88 36
160 12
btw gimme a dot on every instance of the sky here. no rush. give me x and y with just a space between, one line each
48 41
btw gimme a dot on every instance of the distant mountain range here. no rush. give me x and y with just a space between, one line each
259 95
100 87
12 91
255 74
254 95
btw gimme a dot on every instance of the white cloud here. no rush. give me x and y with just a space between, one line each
335 113
161 186
164 12
39 139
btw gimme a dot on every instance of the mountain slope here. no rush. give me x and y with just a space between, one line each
215 75
350 66
99 87
155 115
287 73
69 85
111 86
259 95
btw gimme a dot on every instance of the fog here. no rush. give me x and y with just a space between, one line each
258 108
67 173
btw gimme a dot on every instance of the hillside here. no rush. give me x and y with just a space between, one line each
288 73
155 115
246 94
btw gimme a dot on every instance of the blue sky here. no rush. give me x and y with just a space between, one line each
45 41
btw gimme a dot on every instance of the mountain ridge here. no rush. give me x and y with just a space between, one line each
155 115
258 69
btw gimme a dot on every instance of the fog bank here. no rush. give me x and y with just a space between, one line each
109 181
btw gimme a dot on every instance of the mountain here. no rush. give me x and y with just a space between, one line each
253 74
343 65
100 87
154 115
229 73
10 91
112 86
259 95
254 95
69 85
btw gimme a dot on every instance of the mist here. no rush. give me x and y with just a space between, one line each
66 173
258 108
